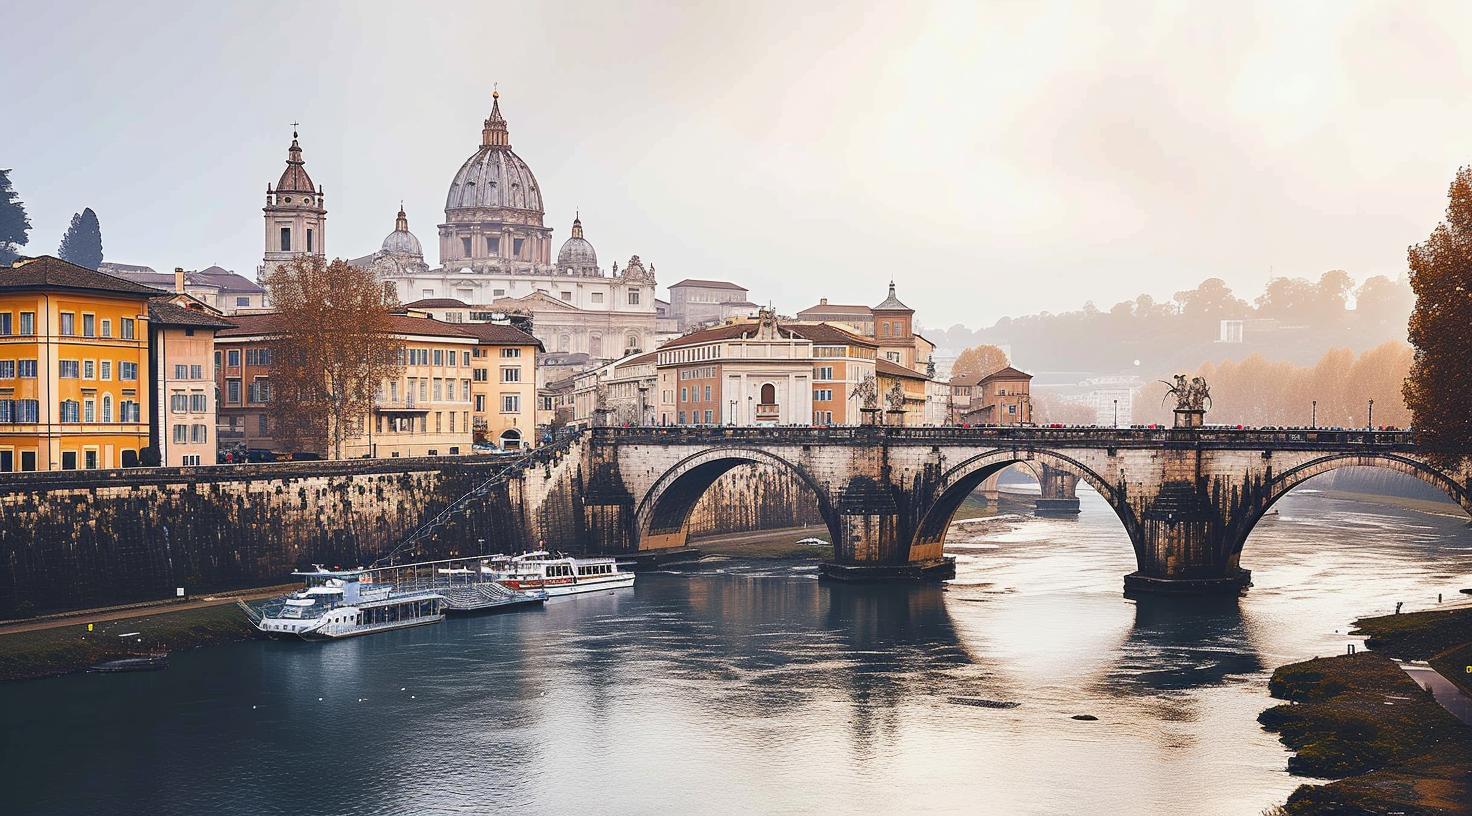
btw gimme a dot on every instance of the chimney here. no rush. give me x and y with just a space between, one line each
179 279
822 301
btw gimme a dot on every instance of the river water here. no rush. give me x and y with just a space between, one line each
740 686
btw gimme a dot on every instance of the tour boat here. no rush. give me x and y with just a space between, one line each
556 575
339 604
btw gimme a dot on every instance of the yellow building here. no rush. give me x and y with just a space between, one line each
73 367
503 385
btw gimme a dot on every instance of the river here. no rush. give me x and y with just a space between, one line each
740 686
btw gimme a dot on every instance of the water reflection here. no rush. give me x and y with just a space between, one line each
1181 643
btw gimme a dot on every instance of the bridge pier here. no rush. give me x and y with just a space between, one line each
1183 548
1059 495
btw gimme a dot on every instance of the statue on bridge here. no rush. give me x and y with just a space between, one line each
867 392
1193 398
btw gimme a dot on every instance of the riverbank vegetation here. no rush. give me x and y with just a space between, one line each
64 649
1361 720
1442 637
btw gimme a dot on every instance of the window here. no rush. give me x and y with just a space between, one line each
633 296
107 328
258 356
7 369
127 371
707 393
684 397
199 434
825 373
823 394
5 323
262 423
27 322
260 391
451 357
89 370
480 403
68 326
196 372
498 293
566 296
89 410
465 390
89 325
439 357
197 403
181 372
71 411
597 297
510 374
191 459
233 358
68 460
178 403
493 245
510 403
516 247
436 389
242 301
309 239
769 394
107 407
509 353
232 392
217 361
466 360
68 369
25 369
707 416
128 411
286 239
480 375
465 247
181 434
126 326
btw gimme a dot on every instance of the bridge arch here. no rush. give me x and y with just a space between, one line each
663 513
1259 502
934 519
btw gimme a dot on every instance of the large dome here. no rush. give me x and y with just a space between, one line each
401 241
577 254
495 177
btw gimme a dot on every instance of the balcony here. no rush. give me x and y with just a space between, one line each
407 405
768 412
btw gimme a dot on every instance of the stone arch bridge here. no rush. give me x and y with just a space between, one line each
1188 498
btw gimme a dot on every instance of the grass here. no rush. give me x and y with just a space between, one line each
1361 720
1441 637
65 649
768 544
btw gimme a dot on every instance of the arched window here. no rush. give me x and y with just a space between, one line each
564 342
595 345
631 342
107 407
510 439
769 394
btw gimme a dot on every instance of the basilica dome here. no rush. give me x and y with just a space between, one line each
494 177
577 256
401 241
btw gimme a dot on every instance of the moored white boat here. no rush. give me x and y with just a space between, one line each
556 575
339 604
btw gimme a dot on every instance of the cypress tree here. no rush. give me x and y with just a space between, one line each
82 244
13 222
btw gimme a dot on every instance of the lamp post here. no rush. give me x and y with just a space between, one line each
1371 420
1313 414
1116 413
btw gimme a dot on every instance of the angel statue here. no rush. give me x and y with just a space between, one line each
896 397
867 392
1200 394
1181 390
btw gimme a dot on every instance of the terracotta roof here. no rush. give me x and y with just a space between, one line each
500 334
47 272
433 303
1008 373
225 279
250 325
893 369
266 324
837 308
708 284
163 313
725 331
646 357
827 335
222 279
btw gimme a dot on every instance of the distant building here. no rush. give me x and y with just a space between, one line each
1002 397
859 319
749 372
695 303
295 216
503 385
626 388
215 287
73 370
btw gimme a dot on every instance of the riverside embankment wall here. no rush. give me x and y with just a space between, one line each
78 539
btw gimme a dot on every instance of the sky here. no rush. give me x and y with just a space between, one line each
991 158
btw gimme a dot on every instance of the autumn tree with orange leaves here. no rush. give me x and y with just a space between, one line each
334 345
978 361
1439 390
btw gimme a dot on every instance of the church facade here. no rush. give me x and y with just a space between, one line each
495 256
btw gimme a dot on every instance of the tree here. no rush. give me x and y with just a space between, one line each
1439 389
334 347
979 361
1213 300
14 225
82 243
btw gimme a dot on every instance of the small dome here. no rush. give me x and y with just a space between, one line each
401 241
577 254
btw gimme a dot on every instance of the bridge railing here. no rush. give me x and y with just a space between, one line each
1090 436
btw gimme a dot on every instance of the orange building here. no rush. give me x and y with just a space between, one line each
841 360
73 361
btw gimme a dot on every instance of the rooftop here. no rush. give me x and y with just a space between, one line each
829 335
48 272
438 303
163 313
500 334
708 284
1008 373
893 369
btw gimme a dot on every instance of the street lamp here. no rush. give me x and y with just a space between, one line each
1313 414
1371 421
1116 413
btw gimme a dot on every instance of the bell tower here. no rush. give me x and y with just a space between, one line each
296 215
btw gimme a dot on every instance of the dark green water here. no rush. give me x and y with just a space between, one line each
736 686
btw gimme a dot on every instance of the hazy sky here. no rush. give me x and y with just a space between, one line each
994 158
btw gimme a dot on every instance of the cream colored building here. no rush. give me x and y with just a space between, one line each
181 345
503 385
748 372
426 411
625 388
